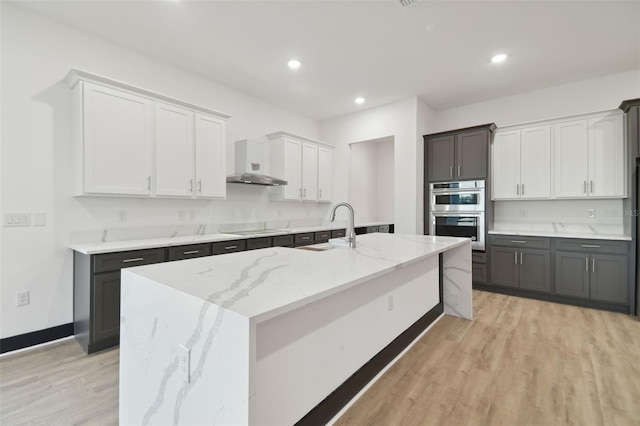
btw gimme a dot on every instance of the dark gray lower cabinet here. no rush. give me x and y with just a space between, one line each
106 304
599 277
528 269
479 267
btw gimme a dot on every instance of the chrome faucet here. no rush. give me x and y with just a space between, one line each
351 232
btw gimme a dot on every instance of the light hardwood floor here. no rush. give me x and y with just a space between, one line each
520 362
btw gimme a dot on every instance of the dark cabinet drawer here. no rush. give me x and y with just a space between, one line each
303 239
383 229
361 230
283 241
592 246
259 243
372 229
116 261
223 247
479 273
520 241
478 257
321 237
338 233
189 252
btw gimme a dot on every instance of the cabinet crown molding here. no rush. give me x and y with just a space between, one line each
276 135
74 76
564 119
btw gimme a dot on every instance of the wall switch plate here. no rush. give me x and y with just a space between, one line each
591 212
523 213
39 219
184 365
22 298
17 219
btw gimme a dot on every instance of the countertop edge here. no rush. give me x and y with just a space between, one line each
582 236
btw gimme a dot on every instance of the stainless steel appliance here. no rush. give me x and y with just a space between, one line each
457 209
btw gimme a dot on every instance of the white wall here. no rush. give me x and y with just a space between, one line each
36 158
399 120
598 94
384 173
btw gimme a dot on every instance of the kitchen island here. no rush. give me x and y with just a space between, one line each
263 337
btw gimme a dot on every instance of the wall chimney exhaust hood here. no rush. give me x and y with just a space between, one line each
250 165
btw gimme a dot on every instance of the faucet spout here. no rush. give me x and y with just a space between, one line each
351 232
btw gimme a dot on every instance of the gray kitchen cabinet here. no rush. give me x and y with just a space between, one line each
304 239
458 155
189 251
600 277
338 233
321 237
96 294
259 243
283 241
479 267
513 265
233 246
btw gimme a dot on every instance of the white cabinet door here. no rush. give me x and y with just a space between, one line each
606 157
570 159
506 165
535 162
118 142
309 172
174 151
325 174
292 168
210 157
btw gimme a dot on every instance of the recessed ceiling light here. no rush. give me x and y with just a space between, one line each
294 63
359 100
499 58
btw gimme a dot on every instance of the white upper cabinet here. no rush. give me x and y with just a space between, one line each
118 142
325 174
589 158
130 141
304 163
210 156
174 151
521 164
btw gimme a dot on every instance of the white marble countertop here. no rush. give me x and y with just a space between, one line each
126 245
561 230
278 279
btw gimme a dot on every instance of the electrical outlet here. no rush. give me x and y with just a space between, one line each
22 298
184 358
390 303
523 213
591 213
182 215
122 215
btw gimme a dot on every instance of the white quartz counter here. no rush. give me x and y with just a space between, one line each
141 244
561 230
261 284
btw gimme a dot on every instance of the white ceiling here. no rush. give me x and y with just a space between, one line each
437 50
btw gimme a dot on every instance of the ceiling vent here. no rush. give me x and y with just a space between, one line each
407 3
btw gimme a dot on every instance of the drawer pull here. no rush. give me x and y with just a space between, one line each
593 264
305 238
230 247
135 259
192 252
589 246
515 257
518 241
586 264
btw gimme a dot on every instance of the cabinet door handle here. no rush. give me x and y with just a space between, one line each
200 186
304 193
149 183
305 238
584 186
450 171
586 264
190 186
458 170
522 190
135 259
591 186
521 258
230 247
192 252
515 257
319 193
589 246
517 189
300 193
518 242
593 264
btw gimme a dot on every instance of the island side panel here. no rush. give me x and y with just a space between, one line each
303 355
155 320
457 292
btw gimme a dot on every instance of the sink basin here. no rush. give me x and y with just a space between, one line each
317 247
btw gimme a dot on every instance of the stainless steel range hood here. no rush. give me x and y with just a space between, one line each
251 165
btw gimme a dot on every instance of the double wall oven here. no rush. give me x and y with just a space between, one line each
457 209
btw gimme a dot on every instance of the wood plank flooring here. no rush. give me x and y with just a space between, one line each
520 362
